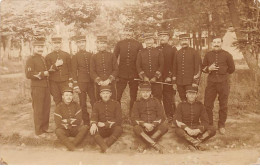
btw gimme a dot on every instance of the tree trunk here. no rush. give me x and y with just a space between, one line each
249 57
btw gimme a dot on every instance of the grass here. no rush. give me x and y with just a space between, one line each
242 125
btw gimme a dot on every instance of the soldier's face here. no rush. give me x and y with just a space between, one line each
191 96
67 97
184 42
57 46
101 46
146 94
164 39
38 49
149 42
81 45
217 43
105 95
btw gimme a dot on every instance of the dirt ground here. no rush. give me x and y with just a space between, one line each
18 145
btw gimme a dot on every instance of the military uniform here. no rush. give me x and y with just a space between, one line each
68 119
104 66
149 111
186 70
127 50
83 81
194 116
104 112
41 101
168 91
218 83
60 76
150 63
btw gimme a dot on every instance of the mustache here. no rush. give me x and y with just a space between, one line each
216 46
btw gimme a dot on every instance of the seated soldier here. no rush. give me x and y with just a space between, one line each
148 118
68 119
106 119
192 120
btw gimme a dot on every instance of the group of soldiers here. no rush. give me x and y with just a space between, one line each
156 72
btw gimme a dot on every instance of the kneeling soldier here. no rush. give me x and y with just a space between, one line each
193 121
68 119
106 119
148 118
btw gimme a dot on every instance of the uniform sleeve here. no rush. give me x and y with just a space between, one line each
115 68
117 50
197 68
135 115
58 117
231 64
93 72
160 116
51 67
30 71
205 64
159 71
94 114
174 69
74 67
179 117
69 66
204 119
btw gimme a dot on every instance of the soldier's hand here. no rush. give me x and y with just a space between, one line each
196 131
213 67
100 83
189 131
146 79
174 86
153 80
70 84
168 79
195 85
111 123
46 73
148 127
93 129
76 90
101 124
59 62
106 82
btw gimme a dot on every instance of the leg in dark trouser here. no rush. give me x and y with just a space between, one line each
157 90
182 134
83 103
113 89
223 91
120 86
46 109
91 93
116 133
55 92
38 95
209 98
133 86
80 134
210 132
168 101
63 135
160 131
100 140
182 92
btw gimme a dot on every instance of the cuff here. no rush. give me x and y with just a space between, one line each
206 69
97 80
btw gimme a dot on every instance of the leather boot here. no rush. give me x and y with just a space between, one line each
193 141
80 136
100 141
65 140
151 142
157 135
111 140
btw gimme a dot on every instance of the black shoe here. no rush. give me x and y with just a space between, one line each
158 148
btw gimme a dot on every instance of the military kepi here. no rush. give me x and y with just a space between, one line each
39 41
105 88
161 33
102 38
80 38
56 39
68 89
145 86
184 36
192 89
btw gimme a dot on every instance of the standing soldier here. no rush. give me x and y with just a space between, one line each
104 68
168 91
148 118
150 63
37 71
59 65
127 51
219 64
193 122
83 84
68 120
106 120
186 67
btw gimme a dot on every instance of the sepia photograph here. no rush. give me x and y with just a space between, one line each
130 82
